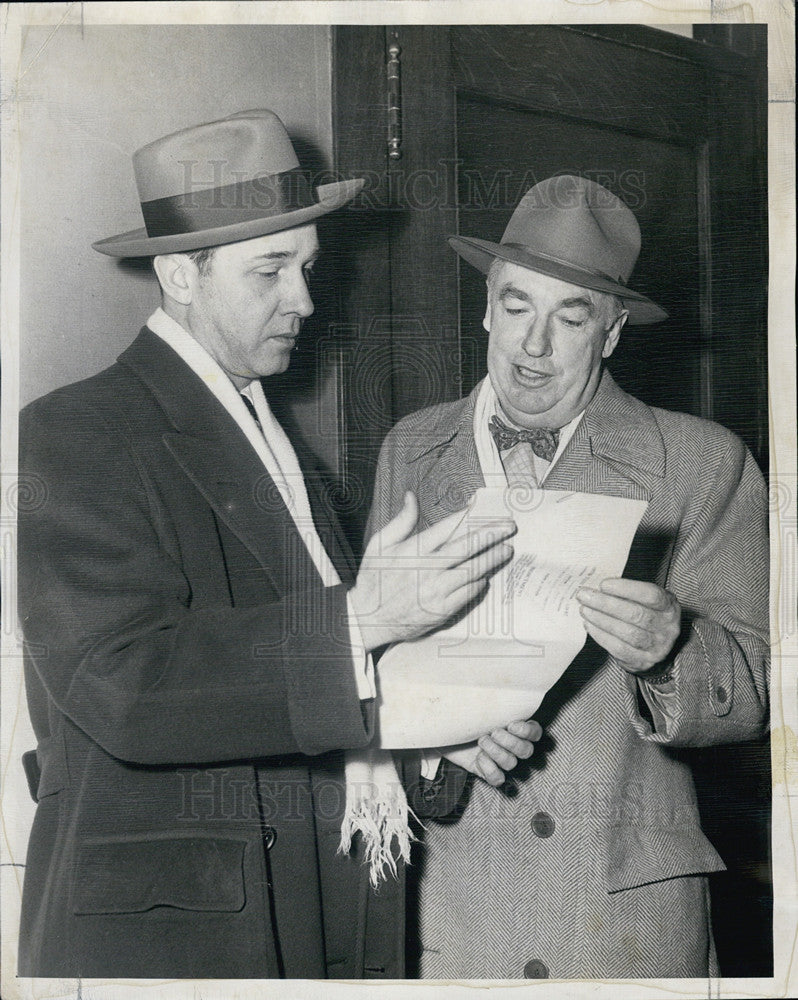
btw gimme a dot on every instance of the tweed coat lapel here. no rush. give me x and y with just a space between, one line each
213 452
448 456
616 450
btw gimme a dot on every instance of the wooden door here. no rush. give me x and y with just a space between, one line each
676 128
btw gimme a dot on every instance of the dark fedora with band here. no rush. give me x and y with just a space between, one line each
573 229
222 182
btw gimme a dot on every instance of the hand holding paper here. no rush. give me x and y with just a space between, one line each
636 622
496 662
497 752
409 583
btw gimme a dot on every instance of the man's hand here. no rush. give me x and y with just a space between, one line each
636 622
409 584
494 754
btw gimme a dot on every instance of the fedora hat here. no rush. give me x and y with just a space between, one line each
222 182
573 229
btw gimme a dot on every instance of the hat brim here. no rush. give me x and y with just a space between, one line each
482 253
137 243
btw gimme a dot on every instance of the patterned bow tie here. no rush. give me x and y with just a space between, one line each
542 442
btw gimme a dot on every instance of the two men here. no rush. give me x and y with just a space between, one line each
198 639
596 866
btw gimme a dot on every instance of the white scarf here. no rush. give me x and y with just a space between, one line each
376 804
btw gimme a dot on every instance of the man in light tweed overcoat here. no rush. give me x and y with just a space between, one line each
596 866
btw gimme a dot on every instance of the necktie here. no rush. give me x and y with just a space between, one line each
250 406
542 442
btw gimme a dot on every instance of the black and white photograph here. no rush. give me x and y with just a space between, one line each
398 496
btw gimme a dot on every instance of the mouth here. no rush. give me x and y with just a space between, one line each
287 339
532 377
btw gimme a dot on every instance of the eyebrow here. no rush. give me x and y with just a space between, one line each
510 291
278 255
577 300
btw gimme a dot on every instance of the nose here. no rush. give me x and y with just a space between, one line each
537 341
297 299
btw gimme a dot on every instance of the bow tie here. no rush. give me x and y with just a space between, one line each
542 442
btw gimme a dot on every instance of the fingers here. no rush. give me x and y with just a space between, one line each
515 745
497 753
485 765
630 657
480 565
638 615
527 729
488 771
400 528
640 637
463 584
430 538
639 633
478 540
638 591
445 540
464 595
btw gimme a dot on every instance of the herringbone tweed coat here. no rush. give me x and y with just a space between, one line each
592 864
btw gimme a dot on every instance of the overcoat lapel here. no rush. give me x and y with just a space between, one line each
324 517
214 453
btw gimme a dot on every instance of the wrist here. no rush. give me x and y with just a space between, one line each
373 633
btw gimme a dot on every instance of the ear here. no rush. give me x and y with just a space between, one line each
614 335
177 275
486 320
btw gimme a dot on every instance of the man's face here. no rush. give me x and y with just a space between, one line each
547 340
247 308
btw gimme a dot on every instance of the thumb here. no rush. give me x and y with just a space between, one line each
400 528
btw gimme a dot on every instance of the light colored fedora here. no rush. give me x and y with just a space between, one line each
573 229
222 182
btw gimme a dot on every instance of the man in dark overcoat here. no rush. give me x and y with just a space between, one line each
198 641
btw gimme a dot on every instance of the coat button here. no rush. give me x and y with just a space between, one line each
542 825
535 969
269 837
721 694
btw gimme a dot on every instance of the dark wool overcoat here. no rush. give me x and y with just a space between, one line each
190 681
591 863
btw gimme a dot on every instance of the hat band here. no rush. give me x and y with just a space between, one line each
566 263
259 197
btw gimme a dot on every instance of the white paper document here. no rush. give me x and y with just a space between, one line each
498 661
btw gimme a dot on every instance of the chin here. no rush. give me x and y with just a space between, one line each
526 413
277 367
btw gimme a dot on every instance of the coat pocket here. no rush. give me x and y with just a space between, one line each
640 855
135 873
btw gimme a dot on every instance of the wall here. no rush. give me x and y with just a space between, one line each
87 99
91 96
